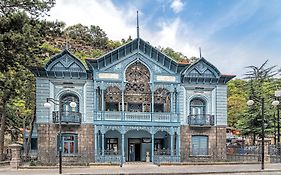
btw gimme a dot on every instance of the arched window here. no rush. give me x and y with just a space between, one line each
162 100
65 103
137 92
113 99
197 106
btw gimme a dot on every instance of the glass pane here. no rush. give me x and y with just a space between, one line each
71 147
65 148
68 137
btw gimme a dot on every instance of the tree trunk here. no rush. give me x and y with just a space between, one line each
30 133
2 132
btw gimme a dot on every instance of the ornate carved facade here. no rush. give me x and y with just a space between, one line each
134 104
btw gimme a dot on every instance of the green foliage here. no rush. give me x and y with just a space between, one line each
260 83
21 33
34 8
177 56
237 98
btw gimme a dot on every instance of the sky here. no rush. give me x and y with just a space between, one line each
232 34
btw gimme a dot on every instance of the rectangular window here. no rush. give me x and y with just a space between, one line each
112 144
199 145
158 144
69 144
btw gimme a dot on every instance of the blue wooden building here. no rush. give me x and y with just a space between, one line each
133 104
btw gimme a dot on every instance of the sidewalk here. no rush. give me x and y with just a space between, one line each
152 169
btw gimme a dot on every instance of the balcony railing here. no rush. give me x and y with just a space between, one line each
137 116
67 117
200 120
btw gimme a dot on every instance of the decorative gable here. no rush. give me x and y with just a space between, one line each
202 69
137 46
65 62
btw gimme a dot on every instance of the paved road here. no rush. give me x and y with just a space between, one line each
153 169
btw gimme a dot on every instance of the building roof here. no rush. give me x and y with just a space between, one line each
136 46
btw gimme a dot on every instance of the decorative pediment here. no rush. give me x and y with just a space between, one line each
65 62
137 46
202 68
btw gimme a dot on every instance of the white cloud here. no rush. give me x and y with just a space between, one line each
177 6
115 22
119 23
172 34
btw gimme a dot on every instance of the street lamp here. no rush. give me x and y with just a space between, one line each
48 105
250 103
276 103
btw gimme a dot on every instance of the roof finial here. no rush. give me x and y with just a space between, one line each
200 52
138 30
66 43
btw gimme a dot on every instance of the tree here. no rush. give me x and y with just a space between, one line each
177 56
20 38
236 100
99 37
260 81
35 8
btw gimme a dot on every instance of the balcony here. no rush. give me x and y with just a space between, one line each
137 116
71 118
201 120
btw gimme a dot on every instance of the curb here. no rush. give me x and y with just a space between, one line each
206 163
169 173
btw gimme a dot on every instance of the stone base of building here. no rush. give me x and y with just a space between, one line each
48 144
216 143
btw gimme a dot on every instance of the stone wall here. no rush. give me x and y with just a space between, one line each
216 138
47 143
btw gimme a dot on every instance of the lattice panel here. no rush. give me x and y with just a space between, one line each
137 86
112 94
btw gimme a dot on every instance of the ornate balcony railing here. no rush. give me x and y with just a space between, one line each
67 117
137 116
200 120
110 156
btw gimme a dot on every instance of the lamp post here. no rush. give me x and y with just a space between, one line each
250 103
276 103
48 105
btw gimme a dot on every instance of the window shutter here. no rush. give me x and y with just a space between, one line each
199 145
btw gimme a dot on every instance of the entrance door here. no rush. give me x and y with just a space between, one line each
137 151
134 150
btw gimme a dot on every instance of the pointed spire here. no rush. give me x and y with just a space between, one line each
66 44
200 56
138 29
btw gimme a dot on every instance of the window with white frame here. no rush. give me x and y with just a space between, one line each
197 106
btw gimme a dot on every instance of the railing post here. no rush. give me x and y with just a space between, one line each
102 103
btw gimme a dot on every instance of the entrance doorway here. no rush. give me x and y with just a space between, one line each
134 146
